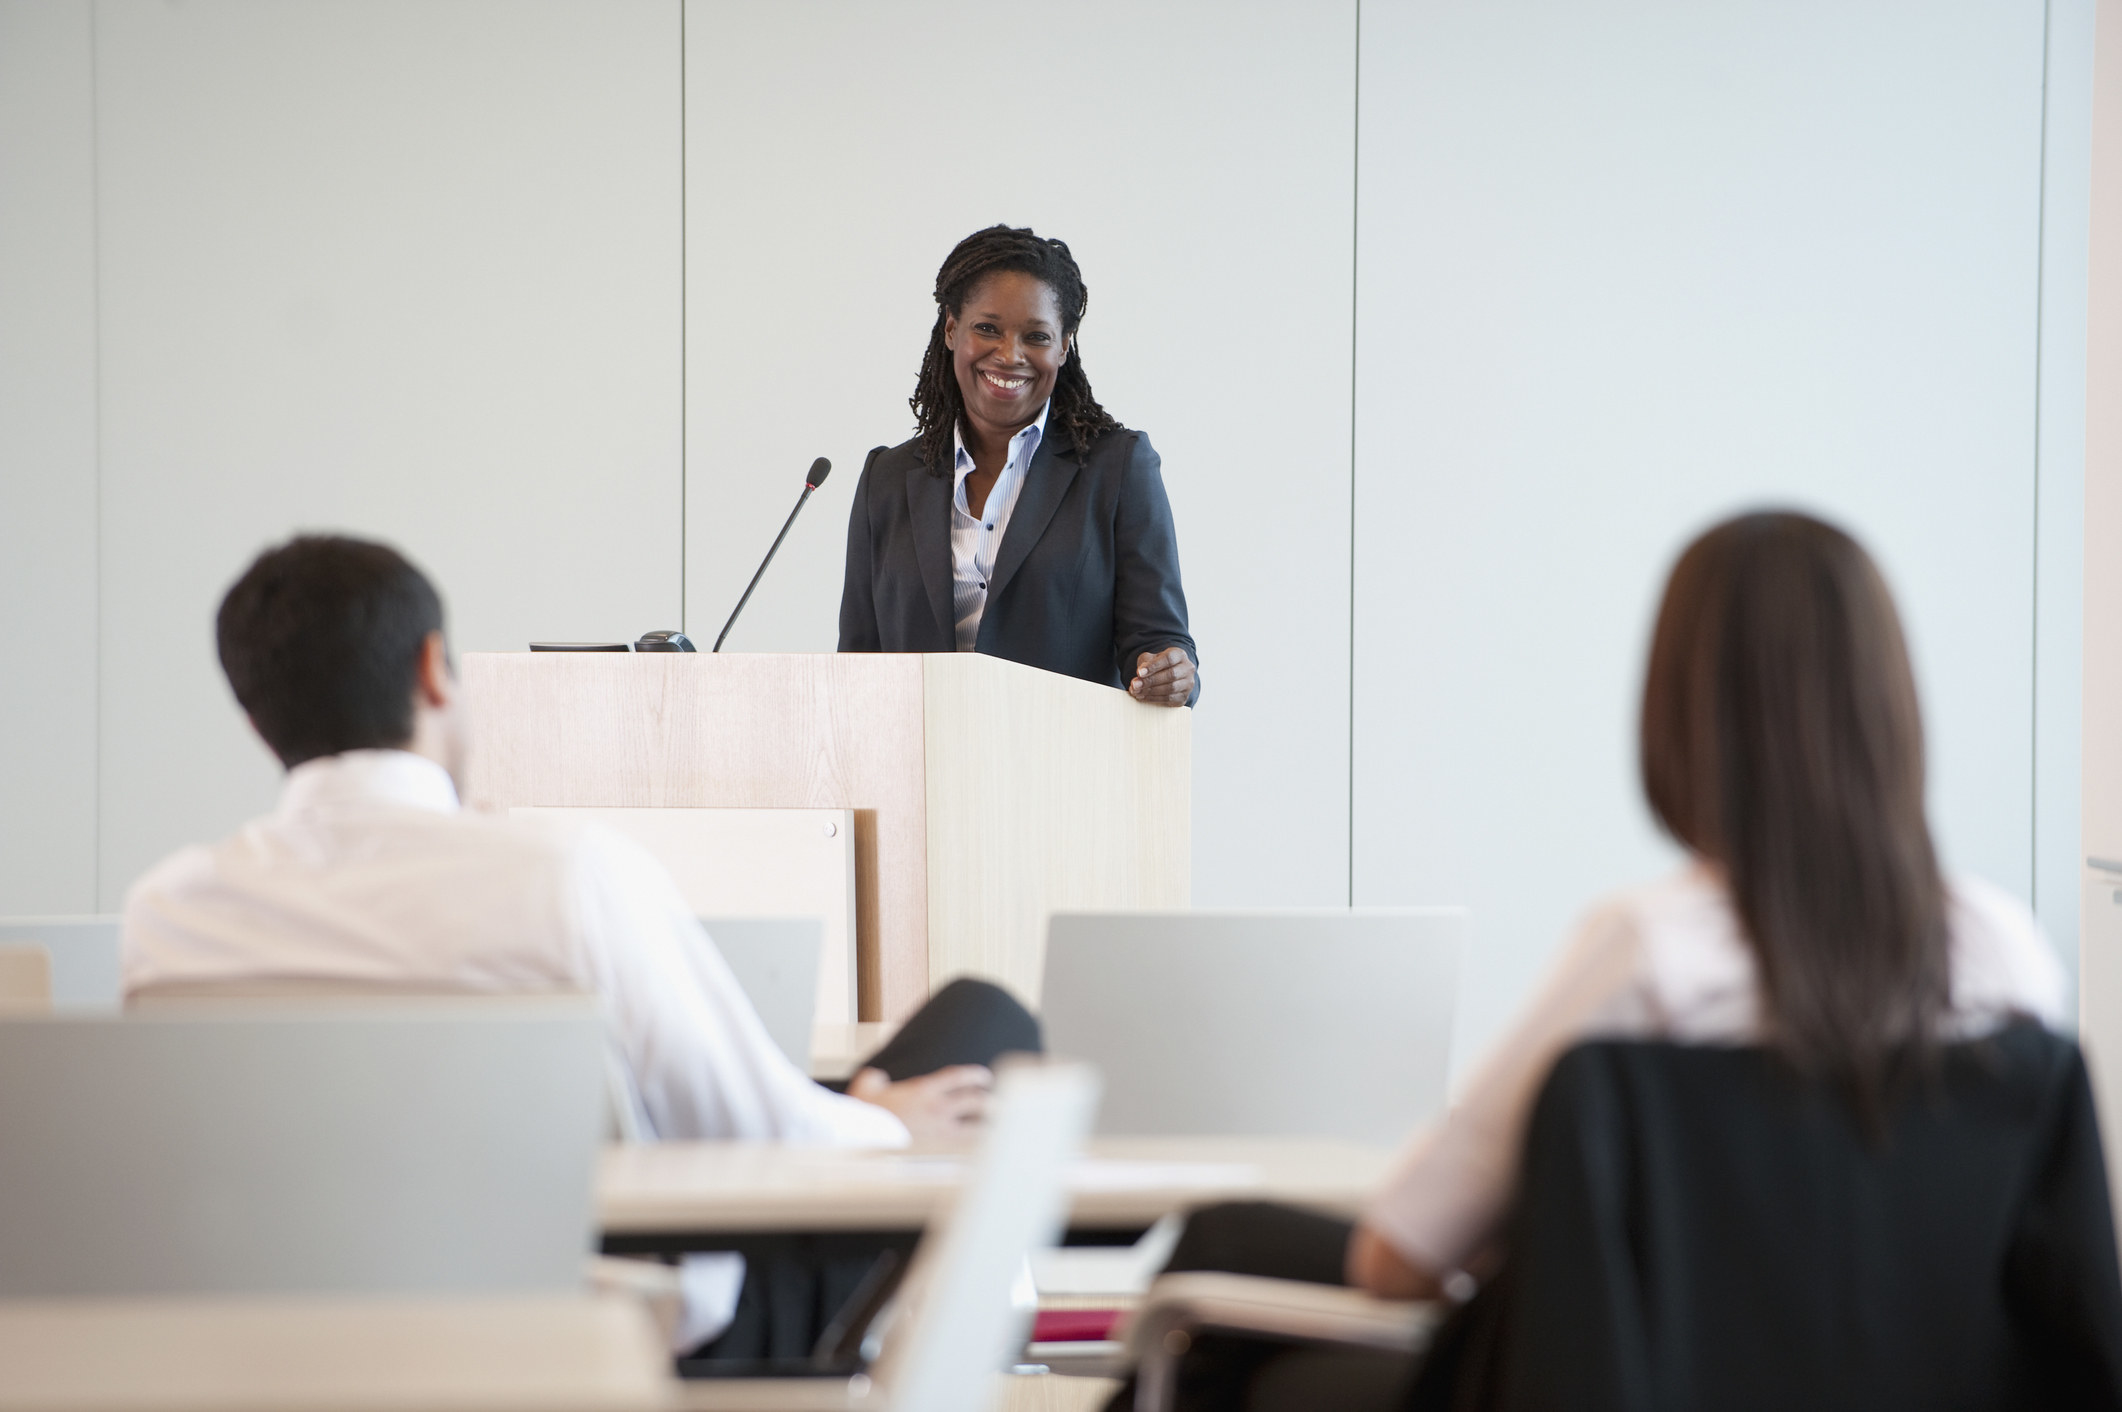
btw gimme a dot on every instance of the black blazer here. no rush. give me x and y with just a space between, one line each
1087 576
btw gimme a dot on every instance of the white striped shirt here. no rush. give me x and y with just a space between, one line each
975 538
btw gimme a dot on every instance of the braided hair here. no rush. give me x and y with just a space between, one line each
937 401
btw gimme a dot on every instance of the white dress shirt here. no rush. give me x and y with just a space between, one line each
370 873
1667 961
975 538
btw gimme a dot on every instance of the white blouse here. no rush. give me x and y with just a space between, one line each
1666 961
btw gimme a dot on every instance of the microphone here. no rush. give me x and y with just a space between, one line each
819 470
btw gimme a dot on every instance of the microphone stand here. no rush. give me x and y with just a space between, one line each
811 482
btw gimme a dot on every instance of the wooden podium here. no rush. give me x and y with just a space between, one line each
986 794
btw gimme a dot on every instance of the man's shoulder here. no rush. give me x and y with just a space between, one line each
476 841
181 872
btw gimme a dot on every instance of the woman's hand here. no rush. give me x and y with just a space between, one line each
1375 1266
946 1104
1163 678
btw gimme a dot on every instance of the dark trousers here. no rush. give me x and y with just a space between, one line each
795 1286
966 1022
1228 1374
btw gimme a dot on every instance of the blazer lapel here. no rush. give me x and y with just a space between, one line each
928 499
1052 471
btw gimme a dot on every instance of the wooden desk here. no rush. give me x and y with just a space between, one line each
525 1354
669 1196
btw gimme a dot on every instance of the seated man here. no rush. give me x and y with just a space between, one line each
370 874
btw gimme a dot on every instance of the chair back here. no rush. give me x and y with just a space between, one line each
418 1148
1700 1227
956 1324
25 978
83 951
1313 1023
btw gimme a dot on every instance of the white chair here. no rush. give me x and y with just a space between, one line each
956 1324
421 1148
25 978
626 1122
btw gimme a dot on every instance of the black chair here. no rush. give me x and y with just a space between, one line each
1698 1228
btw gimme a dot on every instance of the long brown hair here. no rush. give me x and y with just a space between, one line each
938 402
1782 740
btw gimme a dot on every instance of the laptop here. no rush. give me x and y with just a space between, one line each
775 960
1259 1023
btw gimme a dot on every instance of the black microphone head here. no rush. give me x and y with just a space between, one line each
819 470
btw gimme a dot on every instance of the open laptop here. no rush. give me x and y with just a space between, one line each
1315 1023
775 960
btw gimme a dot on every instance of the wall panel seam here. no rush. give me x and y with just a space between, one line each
95 226
685 333
2033 684
1355 313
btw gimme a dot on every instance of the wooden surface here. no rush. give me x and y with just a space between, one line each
1052 1393
701 730
729 1188
1045 794
557 1354
757 863
987 794
1013 1393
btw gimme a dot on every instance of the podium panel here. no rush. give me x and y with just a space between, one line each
758 864
985 794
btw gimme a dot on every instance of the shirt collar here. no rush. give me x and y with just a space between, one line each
1036 432
369 777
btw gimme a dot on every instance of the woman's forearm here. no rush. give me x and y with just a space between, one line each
1374 1265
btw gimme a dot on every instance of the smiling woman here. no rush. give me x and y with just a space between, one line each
1022 520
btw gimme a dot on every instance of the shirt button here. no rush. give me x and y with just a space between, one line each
990 526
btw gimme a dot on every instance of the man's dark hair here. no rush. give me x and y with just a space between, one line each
938 402
321 641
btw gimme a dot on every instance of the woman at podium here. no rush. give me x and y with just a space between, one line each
1022 520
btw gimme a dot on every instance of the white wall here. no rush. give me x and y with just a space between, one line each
405 269
2059 538
2100 1012
415 269
1198 158
1666 262
2102 645
47 458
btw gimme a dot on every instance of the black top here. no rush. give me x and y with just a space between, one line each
1697 1228
1087 576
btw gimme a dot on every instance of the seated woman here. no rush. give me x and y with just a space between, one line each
1782 746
